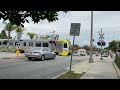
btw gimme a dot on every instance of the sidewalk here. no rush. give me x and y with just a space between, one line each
4 55
100 69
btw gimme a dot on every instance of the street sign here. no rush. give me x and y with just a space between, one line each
17 52
75 29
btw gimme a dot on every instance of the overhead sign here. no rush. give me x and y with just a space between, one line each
75 29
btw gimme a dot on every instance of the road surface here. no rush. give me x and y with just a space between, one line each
25 69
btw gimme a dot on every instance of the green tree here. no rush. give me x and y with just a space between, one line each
3 35
86 47
112 45
31 35
95 48
19 31
9 27
20 17
76 46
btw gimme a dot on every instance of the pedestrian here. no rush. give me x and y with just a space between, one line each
111 55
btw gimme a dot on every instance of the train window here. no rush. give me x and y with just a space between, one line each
38 44
11 43
0 43
5 42
45 49
55 44
30 43
24 44
16 43
45 44
65 45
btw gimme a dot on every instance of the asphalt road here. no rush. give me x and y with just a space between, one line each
25 69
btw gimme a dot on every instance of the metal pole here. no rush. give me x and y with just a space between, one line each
53 34
101 44
91 41
53 39
72 53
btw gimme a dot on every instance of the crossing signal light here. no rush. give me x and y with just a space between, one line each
99 43
103 43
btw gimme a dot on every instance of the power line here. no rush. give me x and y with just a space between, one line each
84 29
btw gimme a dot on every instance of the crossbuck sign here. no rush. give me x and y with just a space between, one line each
75 29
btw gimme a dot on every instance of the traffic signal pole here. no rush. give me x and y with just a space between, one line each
101 42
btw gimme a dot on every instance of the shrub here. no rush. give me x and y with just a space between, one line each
117 61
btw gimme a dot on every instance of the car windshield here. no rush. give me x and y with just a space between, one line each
35 48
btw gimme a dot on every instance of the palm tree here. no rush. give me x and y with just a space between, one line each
19 31
9 27
31 35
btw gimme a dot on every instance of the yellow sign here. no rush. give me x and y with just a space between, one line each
17 52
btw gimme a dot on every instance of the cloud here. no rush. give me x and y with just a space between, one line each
102 19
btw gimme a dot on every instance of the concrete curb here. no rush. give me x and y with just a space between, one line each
59 75
64 72
13 58
117 69
68 70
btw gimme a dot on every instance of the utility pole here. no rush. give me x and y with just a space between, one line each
91 41
53 39
53 34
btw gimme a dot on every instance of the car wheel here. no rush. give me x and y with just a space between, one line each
29 58
54 56
43 58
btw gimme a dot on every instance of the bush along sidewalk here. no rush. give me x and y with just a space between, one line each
117 61
70 75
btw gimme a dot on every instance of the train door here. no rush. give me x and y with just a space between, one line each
65 47
58 48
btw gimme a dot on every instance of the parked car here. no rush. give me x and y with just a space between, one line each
105 55
97 55
40 53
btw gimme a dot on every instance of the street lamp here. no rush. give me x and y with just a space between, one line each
91 41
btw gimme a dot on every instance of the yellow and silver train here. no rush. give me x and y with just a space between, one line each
60 47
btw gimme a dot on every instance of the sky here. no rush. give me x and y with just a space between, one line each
109 21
